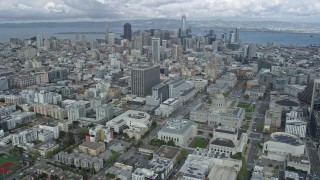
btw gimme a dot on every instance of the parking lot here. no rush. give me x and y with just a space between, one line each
139 160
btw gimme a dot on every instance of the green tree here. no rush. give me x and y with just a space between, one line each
153 125
110 175
92 171
16 151
183 153
209 101
246 96
260 98
243 170
91 125
125 135
157 142
171 143
83 132
139 144
238 155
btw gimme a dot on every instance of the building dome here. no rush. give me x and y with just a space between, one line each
219 96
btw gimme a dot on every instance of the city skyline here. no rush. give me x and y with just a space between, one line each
103 10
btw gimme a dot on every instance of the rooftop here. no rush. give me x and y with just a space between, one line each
225 129
287 102
177 126
168 152
299 159
222 172
146 173
159 164
223 142
195 167
286 138
92 145
238 111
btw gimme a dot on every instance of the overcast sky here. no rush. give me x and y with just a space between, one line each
109 10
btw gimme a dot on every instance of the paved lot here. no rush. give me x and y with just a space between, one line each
139 160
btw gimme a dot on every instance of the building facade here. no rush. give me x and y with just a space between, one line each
143 79
180 131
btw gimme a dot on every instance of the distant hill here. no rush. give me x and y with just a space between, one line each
176 23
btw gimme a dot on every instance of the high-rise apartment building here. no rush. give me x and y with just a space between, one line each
39 41
155 50
111 37
127 33
143 78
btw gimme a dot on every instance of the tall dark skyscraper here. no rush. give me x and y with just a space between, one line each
184 23
127 33
237 38
143 78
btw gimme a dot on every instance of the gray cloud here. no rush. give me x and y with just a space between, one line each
108 10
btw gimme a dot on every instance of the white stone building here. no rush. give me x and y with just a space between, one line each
169 106
281 145
180 131
228 140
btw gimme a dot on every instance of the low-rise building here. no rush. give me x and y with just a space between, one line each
121 171
180 131
229 79
50 171
54 128
273 118
255 92
167 152
92 148
45 135
12 99
79 160
281 145
144 174
228 140
46 148
58 113
207 164
299 162
169 106
296 123
138 123
24 137
6 110
294 90
42 109
100 133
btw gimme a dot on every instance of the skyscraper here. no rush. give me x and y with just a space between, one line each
315 101
143 78
237 38
184 23
127 34
232 37
39 41
111 38
183 29
155 50
106 35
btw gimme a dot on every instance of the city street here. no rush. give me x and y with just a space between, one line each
314 158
